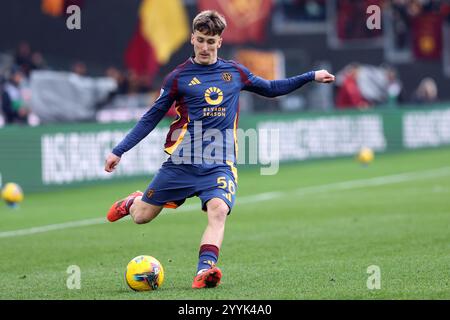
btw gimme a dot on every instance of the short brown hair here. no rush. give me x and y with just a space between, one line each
209 22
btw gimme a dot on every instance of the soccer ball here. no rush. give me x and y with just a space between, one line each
144 273
12 193
365 155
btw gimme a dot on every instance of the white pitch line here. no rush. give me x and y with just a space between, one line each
377 181
51 227
346 185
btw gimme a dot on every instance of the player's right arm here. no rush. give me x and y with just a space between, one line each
146 124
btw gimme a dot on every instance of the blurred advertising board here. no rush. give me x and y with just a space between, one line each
53 156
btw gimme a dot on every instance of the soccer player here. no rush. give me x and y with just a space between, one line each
205 90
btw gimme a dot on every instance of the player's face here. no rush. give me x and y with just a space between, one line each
205 47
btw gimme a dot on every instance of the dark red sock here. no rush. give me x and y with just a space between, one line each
207 256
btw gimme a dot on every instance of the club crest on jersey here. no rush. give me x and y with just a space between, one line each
226 76
150 193
213 96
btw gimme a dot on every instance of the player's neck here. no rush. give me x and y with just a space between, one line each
194 58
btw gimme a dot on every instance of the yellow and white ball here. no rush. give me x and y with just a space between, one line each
144 273
366 155
12 193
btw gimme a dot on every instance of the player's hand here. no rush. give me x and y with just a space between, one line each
111 162
324 76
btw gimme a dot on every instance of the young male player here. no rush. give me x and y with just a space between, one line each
206 91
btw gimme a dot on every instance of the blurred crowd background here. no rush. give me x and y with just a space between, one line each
111 68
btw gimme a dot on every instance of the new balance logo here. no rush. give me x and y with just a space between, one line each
194 81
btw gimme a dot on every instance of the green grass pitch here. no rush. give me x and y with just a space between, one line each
309 232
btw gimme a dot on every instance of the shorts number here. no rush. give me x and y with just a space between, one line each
222 182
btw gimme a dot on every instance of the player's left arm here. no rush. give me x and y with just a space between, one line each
275 88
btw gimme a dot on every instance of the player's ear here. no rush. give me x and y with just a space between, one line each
219 43
192 38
